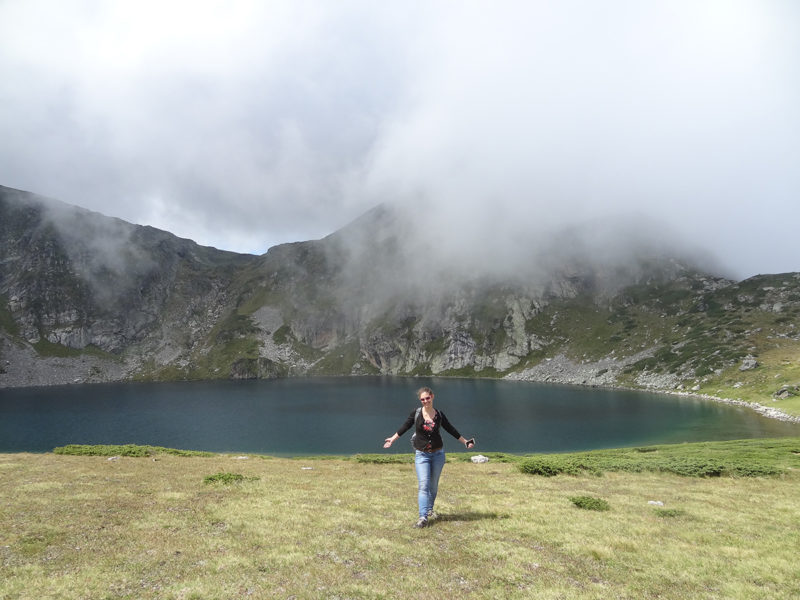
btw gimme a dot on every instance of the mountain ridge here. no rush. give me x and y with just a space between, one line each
85 297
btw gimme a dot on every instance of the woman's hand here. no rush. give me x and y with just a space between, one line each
388 442
469 443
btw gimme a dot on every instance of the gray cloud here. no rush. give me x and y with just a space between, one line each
247 124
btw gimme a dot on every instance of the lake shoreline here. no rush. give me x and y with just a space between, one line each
602 374
765 411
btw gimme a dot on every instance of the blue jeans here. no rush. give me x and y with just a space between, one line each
429 467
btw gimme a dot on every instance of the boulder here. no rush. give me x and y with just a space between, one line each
748 363
787 391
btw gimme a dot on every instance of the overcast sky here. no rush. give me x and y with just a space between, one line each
244 124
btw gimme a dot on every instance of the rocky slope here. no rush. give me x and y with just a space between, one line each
85 298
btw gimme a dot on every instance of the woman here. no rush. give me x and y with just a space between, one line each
427 443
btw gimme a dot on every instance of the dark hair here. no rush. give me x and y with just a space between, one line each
425 390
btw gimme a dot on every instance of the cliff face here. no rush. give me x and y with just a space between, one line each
84 297
75 283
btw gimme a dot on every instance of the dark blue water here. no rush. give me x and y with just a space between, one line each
354 415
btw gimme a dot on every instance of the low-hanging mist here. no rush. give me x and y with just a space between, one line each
410 253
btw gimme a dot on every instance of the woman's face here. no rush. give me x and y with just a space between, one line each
426 398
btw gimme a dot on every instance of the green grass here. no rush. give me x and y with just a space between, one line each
340 360
254 296
149 527
283 334
45 347
469 372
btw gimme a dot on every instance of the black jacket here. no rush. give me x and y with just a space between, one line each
427 438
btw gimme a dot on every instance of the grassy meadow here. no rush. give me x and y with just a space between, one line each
607 524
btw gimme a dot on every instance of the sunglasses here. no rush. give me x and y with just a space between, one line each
426 398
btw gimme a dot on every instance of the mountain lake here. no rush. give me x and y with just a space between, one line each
353 415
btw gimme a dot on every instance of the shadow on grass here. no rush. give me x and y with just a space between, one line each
470 516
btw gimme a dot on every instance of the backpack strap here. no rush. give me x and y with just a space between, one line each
414 435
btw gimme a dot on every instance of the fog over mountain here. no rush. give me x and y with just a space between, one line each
396 253
246 125
408 254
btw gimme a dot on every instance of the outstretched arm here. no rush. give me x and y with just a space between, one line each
404 427
448 427
469 443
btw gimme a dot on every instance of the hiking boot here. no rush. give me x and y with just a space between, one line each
423 522
432 515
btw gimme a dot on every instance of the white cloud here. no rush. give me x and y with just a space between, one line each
244 124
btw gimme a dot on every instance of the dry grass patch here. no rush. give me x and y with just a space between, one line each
144 528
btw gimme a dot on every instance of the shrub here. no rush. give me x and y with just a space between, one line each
383 459
548 466
670 513
738 458
123 450
753 470
104 450
695 467
224 478
590 503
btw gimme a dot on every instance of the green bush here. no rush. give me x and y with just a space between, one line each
103 450
123 450
670 513
547 466
698 467
754 470
590 503
384 459
224 478
738 458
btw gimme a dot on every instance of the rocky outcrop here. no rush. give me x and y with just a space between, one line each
748 363
603 372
